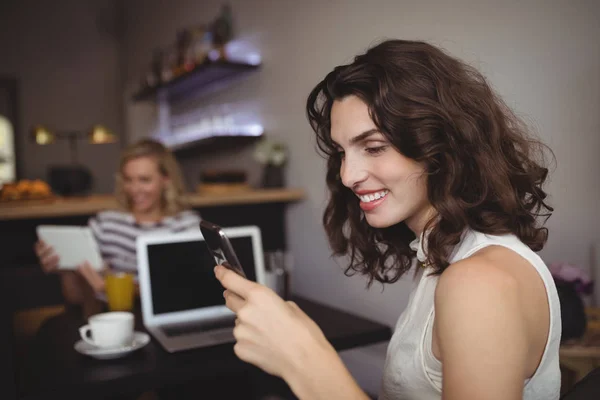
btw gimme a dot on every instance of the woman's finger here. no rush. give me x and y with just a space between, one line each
241 333
243 351
47 258
50 262
233 301
42 250
234 282
40 244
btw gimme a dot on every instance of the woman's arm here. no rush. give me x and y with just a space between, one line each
278 337
481 332
324 376
94 279
81 288
72 285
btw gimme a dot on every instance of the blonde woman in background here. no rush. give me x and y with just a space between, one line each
150 192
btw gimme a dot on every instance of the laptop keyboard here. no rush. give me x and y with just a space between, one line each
187 329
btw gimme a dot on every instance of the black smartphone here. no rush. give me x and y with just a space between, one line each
220 247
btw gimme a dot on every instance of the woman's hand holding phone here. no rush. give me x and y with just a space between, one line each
275 335
278 337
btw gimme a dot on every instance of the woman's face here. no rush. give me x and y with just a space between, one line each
390 187
143 184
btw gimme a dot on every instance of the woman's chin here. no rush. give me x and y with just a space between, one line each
380 221
142 208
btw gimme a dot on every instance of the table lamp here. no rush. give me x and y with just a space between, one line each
72 179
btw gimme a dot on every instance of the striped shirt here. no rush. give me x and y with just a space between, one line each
116 233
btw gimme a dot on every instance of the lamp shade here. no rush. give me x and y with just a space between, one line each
99 134
42 135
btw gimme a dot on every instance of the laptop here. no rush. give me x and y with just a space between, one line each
182 301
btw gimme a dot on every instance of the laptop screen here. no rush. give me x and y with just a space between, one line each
182 277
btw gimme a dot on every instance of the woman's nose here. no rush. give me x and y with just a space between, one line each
351 174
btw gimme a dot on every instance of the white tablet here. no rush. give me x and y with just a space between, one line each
73 244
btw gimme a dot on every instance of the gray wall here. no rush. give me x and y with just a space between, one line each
68 68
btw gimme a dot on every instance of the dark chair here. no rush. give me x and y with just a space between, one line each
586 389
8 383
21 289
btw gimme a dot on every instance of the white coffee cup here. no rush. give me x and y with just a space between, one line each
111 329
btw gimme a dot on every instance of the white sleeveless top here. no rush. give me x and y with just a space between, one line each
411 370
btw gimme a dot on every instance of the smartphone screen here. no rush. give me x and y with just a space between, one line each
220 247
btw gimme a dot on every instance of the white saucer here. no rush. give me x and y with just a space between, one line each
140 339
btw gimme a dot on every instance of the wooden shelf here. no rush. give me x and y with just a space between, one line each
90 205
208 144
200 77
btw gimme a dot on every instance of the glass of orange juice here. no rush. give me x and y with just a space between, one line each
120 291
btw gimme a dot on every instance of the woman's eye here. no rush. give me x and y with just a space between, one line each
375 150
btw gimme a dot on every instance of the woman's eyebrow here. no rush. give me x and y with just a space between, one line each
363 136
358 138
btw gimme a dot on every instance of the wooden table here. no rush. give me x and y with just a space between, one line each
55 370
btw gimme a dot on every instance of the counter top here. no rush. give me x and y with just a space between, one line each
68 206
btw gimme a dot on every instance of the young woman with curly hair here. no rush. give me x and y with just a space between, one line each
427 168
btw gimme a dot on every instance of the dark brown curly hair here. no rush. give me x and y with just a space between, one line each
484 170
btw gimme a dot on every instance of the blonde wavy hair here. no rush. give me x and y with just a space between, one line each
173 200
